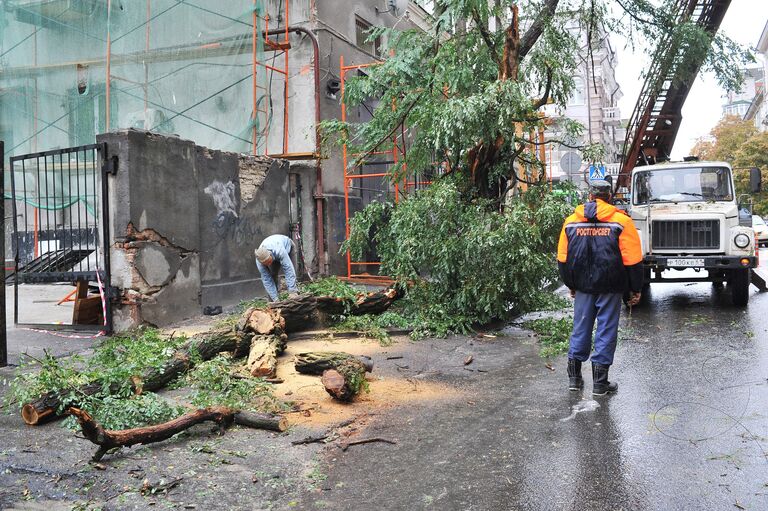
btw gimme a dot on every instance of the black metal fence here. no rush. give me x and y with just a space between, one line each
59 208
3 330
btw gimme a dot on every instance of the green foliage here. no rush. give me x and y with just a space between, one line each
464 261
113 363
332 286
35 377
373 326
553 334
115 412
214 384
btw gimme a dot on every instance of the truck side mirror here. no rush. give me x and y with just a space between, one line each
755 180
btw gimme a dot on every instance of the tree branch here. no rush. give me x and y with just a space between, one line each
486 35
537 27
547 88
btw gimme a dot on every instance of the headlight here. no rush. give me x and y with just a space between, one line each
741 240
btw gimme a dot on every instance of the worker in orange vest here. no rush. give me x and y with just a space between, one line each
599 256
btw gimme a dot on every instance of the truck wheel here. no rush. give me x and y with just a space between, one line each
739 284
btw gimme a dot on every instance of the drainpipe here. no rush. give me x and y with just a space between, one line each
318 195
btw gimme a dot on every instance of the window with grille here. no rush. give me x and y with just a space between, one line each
362 34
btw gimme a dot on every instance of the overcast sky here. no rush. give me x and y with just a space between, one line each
744 23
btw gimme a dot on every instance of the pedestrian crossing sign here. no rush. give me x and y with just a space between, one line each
596 172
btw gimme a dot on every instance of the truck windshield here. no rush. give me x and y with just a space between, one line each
686 184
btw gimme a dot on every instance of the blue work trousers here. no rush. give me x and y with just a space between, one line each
606 308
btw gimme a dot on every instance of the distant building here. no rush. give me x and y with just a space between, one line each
758 108
739 103
594 104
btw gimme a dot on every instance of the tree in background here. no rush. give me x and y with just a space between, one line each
466 95
725 139
739 143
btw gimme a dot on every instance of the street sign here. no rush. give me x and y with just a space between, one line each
570 162
596 172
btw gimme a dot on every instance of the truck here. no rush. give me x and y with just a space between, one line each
689 218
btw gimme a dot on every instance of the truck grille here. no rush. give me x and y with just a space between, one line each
685 234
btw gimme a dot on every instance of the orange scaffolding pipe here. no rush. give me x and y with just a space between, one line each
348 177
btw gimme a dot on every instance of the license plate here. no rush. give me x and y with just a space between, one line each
693 263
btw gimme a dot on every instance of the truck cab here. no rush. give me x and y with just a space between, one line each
689 217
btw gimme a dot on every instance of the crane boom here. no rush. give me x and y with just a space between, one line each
653 127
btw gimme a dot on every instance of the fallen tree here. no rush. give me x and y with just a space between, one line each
224 417
260 334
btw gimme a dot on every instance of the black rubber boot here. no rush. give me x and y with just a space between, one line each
601 385
575 381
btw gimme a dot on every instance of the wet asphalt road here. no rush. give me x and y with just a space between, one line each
688 428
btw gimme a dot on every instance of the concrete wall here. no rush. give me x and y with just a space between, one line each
185 220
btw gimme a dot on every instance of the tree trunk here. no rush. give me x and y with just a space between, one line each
346 380
300 313
262 360
317 362
370 303
261 421
206 346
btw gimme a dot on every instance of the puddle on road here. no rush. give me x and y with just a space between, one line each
585 405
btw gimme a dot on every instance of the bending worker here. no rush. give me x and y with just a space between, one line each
275 252
599 257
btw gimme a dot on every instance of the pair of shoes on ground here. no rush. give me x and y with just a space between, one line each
600 384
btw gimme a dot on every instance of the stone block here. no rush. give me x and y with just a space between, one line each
156 264
180 299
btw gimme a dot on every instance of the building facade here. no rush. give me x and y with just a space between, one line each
740 103
245 76
594 104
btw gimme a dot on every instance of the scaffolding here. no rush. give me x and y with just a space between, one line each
370 178
70 69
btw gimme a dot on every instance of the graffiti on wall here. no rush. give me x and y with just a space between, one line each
229 224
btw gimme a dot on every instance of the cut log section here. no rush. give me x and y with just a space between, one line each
206 346
316 362
346 380
262 360
265 321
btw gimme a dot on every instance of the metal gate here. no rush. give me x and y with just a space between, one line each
60 229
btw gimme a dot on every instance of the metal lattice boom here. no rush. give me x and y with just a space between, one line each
657 116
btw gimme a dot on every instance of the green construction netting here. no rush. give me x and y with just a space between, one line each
51 191
182 67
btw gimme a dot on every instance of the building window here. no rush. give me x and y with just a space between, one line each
362 34
577 96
